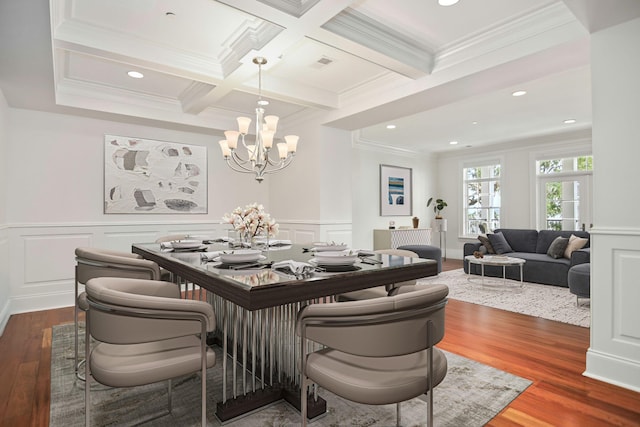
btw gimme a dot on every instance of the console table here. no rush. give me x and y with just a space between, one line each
391 239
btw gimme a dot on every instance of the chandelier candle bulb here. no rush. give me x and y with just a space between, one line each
232 138
292 143
272 122
226 152
243 125
282 150
267 138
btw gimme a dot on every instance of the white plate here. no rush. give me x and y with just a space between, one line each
330 261
241 255
186 244
233 261
319 247
336 257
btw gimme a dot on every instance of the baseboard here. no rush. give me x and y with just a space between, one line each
5 313
613 370
49 301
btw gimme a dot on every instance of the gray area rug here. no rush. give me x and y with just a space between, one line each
545 301
471 395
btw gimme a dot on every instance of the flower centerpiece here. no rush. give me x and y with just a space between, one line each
251 221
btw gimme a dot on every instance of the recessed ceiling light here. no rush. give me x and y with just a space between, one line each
474 123
391 126
135 74
519 93
453 142
569 121
447 2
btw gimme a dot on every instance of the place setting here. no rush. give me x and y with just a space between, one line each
336 261
239 259
186 245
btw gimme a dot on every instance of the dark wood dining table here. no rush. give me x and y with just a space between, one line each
256 310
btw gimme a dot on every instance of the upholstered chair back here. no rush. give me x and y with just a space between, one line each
379 327
122 311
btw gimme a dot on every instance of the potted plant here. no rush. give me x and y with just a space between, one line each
438 206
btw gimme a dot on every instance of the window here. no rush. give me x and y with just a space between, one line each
481 198
564 193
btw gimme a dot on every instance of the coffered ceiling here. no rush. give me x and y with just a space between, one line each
438 73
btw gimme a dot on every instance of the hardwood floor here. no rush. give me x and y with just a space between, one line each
550 354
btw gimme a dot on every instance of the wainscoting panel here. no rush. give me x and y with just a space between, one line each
38 272
339 236
625 298
51 258
304 236
614 353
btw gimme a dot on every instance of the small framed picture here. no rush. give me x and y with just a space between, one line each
395 191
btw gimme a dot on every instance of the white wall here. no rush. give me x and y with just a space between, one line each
312 198
614 354
366 190
56 170
54 202
518 180
4 244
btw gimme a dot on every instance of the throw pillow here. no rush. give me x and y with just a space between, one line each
557 247
499 243
487 244
574 244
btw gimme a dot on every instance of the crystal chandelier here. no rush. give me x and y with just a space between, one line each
257 159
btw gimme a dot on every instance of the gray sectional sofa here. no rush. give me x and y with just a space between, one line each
532 245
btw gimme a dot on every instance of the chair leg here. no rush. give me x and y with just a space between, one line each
303 399
75 322
77 361
203 361
169 399
87 382
398 415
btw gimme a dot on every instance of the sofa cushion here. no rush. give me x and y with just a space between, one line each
574 244
521 240
499 243
557 247
487 244
546 237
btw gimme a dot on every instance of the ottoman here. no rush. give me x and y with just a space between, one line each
579 279
427 252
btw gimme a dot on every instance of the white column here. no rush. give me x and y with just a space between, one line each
614 354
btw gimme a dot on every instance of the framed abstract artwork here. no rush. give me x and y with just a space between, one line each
395 191
148 176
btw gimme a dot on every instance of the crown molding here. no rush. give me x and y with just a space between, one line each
191 98
74 36
527 26
252 35
360 28
361 143
295 8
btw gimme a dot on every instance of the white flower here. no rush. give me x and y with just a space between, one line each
252 220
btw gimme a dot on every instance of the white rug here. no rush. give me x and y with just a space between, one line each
545 301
